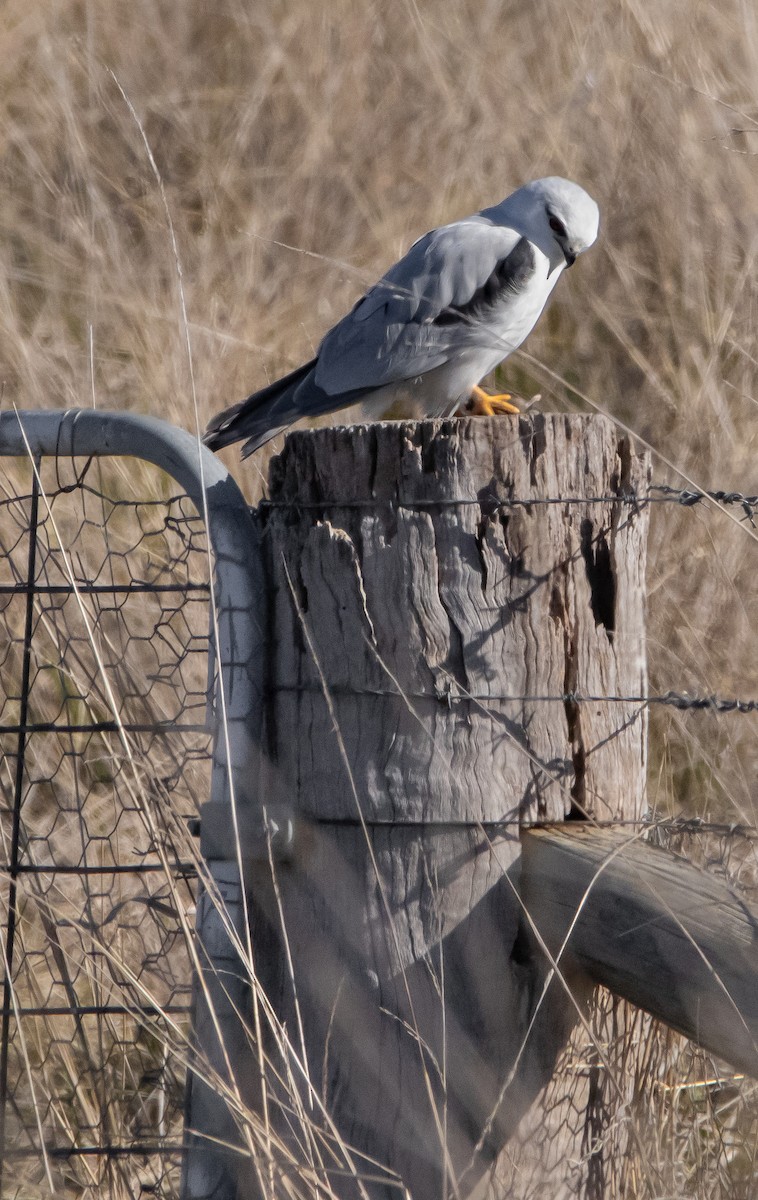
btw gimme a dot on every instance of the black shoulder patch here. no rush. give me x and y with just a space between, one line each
510 275
517 266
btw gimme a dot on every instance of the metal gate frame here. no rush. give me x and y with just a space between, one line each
222 995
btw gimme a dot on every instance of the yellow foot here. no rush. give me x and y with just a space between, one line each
483 405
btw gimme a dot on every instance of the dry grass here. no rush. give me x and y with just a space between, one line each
302 146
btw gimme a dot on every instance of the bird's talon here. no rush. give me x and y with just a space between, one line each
482 404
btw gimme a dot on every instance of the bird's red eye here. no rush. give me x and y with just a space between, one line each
557 227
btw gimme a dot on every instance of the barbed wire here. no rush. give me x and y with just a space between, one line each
676 825
688 498
682 701
719 704
656 493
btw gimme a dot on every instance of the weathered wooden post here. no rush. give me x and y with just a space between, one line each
441 595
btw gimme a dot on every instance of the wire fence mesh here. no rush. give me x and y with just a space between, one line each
105 750
105 756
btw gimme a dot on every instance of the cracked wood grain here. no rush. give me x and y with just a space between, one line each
401 587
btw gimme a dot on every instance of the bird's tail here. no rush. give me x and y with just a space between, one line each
261 416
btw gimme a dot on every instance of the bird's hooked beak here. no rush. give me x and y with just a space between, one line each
569 257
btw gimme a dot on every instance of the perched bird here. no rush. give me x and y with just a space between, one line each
460 301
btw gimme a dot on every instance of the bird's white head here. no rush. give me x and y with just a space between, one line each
558 216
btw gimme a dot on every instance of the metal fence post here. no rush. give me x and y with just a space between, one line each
209 1171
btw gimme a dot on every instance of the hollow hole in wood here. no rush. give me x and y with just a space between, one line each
538 446
599 567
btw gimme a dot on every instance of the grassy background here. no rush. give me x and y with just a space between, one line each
302 146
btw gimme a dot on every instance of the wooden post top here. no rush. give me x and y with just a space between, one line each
468 578
455 640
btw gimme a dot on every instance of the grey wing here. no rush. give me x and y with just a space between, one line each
427 307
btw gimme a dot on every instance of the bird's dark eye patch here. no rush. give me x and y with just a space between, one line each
557 226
